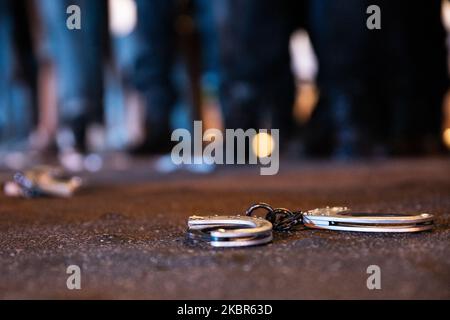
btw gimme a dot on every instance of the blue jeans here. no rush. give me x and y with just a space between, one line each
78 56
16 96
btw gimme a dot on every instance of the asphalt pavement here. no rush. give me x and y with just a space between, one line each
126 231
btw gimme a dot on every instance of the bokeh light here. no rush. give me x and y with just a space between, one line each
123 17
263 145
446 137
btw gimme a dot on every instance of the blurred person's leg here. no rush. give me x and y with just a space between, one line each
204 16
153 69
6 53
17 72
42 138
415 90
377 86
257 84
131 118
338 33
124 105
189 41
210 65
78 59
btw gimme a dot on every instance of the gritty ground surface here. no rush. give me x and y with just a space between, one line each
126 232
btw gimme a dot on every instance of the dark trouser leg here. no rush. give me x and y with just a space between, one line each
254 46
415 107
17 114
6 62
153 67
338 32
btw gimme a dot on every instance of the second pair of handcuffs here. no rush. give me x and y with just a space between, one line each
42 181
247 230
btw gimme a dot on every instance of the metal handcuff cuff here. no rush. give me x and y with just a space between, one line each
247 230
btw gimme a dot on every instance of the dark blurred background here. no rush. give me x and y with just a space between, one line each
138 69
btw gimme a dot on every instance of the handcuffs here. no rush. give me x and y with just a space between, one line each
42 181
230 231
247 230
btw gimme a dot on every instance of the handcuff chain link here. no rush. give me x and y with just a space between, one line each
282 219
